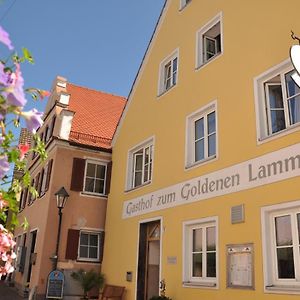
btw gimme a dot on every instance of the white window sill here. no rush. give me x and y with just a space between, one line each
92 195
87 260
200 162
199 284
284 289
205 63
137 187
166 91
281 133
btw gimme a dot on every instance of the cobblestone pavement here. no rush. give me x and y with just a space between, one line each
8 293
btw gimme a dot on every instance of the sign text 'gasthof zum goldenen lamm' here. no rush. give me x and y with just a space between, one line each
266 169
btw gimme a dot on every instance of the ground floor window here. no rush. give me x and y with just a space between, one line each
200 252
282 246
88 245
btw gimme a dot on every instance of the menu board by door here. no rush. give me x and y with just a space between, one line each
240 266
55 285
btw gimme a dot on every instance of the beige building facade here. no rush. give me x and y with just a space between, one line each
80 161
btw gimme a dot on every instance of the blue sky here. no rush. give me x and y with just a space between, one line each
94 43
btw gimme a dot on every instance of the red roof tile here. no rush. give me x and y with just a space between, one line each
96 115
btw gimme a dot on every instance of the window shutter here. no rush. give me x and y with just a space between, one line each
108 178
72 244
39 190
77 174
101 245
48 174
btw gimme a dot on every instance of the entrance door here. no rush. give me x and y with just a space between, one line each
149 260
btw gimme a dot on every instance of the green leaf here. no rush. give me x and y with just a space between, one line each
27 55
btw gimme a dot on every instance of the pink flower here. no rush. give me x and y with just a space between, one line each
33 119
3 204
44 94
4 38
23 150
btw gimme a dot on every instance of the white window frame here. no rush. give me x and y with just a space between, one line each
131 162
200 40
271 283
90 232
184 3
190 157
263 127
95 162
188 279
162 73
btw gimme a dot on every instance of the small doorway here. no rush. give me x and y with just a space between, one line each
149 260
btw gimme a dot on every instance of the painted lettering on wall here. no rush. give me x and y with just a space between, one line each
266 169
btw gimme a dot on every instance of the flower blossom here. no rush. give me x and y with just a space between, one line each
44 94
3 204
14 91
4 165
33 119
4 38
23 150
7 254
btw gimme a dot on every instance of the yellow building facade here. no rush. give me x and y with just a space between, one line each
206 161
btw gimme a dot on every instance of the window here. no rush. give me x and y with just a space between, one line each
278 101
168 73
91 176
88 246
183 3
209 41
281 241
94 179
45 178
140 165
200 252
201 135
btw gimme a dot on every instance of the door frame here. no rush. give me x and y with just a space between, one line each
138 244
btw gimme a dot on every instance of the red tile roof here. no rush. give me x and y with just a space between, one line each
96 115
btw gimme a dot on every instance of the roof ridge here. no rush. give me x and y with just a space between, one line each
94 90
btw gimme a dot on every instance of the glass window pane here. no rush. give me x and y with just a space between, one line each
291 87
84 238
285 262
197 265
294 109
90 170
211 238
199 150
93 253
100 171
275 96
283 231
277 120
89 185
211 264
197 240
199 129
99 186
174 65
83 251
137 178
298 223
138 162
211 120
94 239
212 145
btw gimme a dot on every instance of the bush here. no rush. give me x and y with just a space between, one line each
88 280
